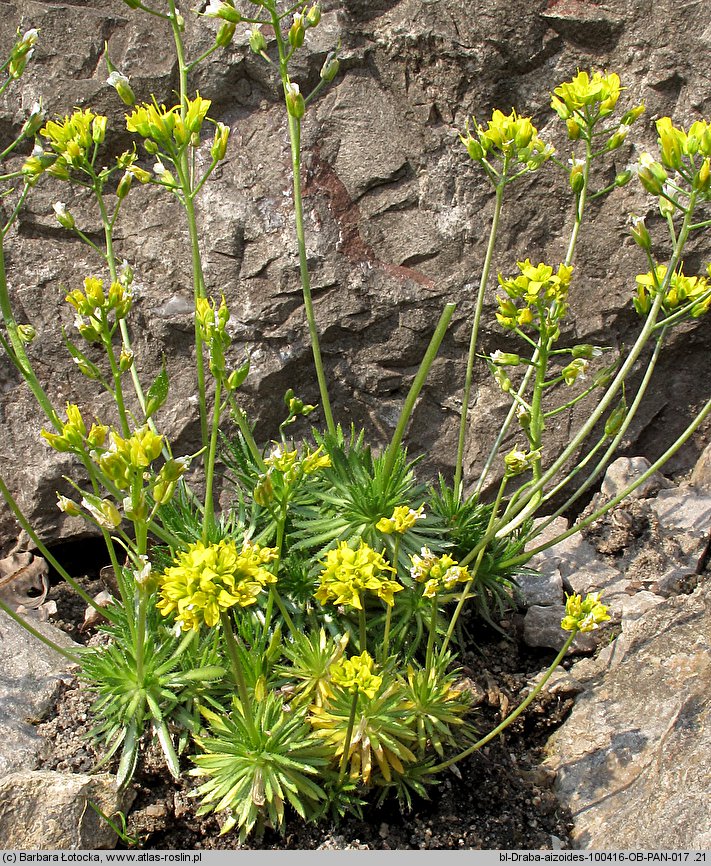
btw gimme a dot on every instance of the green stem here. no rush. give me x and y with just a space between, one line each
74 659
238 673
469 375
362 626
431 636
295 137
243 423
511 717
416 387
591 518
349 735
209 511
479 552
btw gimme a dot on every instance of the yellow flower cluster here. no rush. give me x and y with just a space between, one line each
599 92
284 470
211 578
584 615
165 127
544 295
74 436
508 137
124 457
518 461
73 139
437 572
96 303
356 673
675 143
403 518
348 573
682 291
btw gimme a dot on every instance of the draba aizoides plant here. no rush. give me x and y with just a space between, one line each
298 652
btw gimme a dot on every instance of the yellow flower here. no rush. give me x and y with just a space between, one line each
356 673
682 290
403 518
124 457
347 573
584 615
73 137
212 578
73 432
507 136
437 572
584 91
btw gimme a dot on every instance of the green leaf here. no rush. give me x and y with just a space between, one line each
158 392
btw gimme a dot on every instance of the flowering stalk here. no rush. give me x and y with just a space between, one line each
291 94
238 673
474 338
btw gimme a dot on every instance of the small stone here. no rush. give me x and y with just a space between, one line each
625 471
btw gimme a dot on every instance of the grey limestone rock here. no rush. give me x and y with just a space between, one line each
632 759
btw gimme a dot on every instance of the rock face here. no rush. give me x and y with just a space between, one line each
632 760
396 213
50 811
30 677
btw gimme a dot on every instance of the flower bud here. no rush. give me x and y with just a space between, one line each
703 178
141 175
573 129
151 147
474 148
505 359
586 350
651 174
68 506
34 121
297 31
125 360
629 117
313 16
124 185
329 70
64 218
26 333
264 491
576 369
295 101
122 87
219 144
98 129
577 177
225 34
640 233
623 178
666 207
617 416
257 42
223 9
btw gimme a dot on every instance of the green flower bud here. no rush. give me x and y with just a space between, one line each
617 416
122 87
34 122
257 42
586 350
577 177
573 129
26 333
651 174
223 9
666 207
474 148
297 31
623 178
518 461
295 101
505 359
219 144
313 16
703 178
264 491
640 233
68 506
98 129
329 70
629 117
125 360
64 218
124 185
225 34
151 147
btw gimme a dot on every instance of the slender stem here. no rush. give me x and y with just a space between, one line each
469 375
362 626
511 717
295 137
238 673
591 518
208 518
416 387
431 636
243 423
479 552
70 656
349 735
